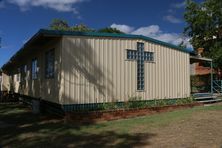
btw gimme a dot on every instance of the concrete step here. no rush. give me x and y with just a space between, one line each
205 98
210 101
201 94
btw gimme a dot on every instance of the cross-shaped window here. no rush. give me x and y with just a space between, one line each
140 56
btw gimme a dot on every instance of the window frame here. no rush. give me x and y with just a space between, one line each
140 67
34 70
23 73
50 59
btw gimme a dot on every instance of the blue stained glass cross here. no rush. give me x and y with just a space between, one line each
140 56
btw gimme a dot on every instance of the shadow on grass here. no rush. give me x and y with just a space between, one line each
27 130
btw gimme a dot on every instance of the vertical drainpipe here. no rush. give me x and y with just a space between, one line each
211 76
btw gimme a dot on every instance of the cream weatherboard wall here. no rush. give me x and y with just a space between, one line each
42 87
5 83
95 70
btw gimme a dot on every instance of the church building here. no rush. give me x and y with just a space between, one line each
80 69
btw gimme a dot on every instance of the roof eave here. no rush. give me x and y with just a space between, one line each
96 34
93 34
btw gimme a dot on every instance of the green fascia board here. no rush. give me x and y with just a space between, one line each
114 35
95 34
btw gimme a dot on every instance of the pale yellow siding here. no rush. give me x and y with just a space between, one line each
46 89
5 84
95 70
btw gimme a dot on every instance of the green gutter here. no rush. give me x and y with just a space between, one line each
95 34
114 35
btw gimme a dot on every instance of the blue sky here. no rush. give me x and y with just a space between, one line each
20 19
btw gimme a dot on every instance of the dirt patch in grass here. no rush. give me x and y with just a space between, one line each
195 127
201 129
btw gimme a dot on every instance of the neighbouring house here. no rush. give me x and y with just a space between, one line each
201 73
75 70
201 67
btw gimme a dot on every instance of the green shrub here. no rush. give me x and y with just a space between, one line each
162 102
109 106
184 101
137 102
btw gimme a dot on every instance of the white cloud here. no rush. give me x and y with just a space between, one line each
179 5
58 5
172 19
151 30
155 32
123 28
171 12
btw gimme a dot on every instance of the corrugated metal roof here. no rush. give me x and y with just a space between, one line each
114 35
95 34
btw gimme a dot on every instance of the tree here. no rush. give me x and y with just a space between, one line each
182 44
82 28
204 26
109 30
59 24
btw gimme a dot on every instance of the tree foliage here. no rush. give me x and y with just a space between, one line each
82 28
59 24
204 26
109 30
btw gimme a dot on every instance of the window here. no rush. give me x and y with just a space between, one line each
140 66
131 54
50 64
23 72
140 56
34 69
148 56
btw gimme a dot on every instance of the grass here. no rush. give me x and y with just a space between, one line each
21 126
152 121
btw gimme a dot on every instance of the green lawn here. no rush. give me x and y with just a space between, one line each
20 128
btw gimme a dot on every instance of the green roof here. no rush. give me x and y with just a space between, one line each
114 35
95 34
